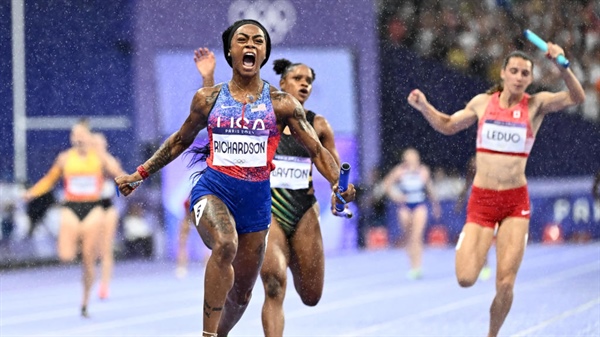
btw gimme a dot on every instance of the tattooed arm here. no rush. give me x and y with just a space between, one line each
179 141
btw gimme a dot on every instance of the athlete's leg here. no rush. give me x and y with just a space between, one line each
216 227
274 277
405 220
511 240
414 245
246 266
182 251
68 235
90 237
109 229
307 261
471 251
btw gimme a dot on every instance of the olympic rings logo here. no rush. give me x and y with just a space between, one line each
277 16
239 161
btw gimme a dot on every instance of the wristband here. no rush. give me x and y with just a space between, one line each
142 171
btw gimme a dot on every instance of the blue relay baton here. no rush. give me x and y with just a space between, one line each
133 185
343 185
543 46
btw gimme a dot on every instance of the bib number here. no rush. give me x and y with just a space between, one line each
291 172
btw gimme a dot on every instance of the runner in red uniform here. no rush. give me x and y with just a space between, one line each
508 122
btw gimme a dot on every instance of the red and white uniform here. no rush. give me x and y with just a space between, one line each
506 131
509 132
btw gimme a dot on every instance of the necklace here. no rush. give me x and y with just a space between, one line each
249 97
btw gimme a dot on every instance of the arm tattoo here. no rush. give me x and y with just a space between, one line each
208 310
160 158
210 100
279 96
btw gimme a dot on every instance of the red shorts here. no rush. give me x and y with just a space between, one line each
488 207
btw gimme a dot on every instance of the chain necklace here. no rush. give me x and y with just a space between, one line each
249 97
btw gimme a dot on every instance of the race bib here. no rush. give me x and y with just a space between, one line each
239 147
291 172
82 185
504 136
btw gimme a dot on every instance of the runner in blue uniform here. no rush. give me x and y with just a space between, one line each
231 200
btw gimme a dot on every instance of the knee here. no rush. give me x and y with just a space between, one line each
66 257
240 299
274 285
311 298
224 250
505 285
310 291
465 281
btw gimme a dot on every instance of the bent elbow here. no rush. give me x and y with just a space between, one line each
446 131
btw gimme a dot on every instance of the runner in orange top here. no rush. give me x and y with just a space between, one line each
83 170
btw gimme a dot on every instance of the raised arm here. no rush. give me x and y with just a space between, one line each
441 122
205 64
552 102
177 142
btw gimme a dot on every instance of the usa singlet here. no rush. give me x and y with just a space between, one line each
412 185
242 143
506 131
243 137
291 182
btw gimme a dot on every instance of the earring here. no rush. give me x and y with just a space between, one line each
228 54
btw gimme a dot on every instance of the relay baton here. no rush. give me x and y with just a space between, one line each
343 185
543 46
133 185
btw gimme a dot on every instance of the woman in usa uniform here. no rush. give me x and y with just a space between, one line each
231 200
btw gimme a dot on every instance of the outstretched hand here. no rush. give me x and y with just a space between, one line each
417 100
128 183
347 196
205 61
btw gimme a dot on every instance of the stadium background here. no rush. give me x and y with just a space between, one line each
111 61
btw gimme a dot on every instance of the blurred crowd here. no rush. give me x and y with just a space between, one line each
473 36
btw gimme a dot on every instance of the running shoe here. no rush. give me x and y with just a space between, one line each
103 292
415 274
485 273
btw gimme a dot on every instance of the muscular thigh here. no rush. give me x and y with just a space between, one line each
405 217
277 251
419 218
306 247
212 220
91 227
472 248
511 241
68 233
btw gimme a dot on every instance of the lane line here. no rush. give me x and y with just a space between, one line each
531 284
541 325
